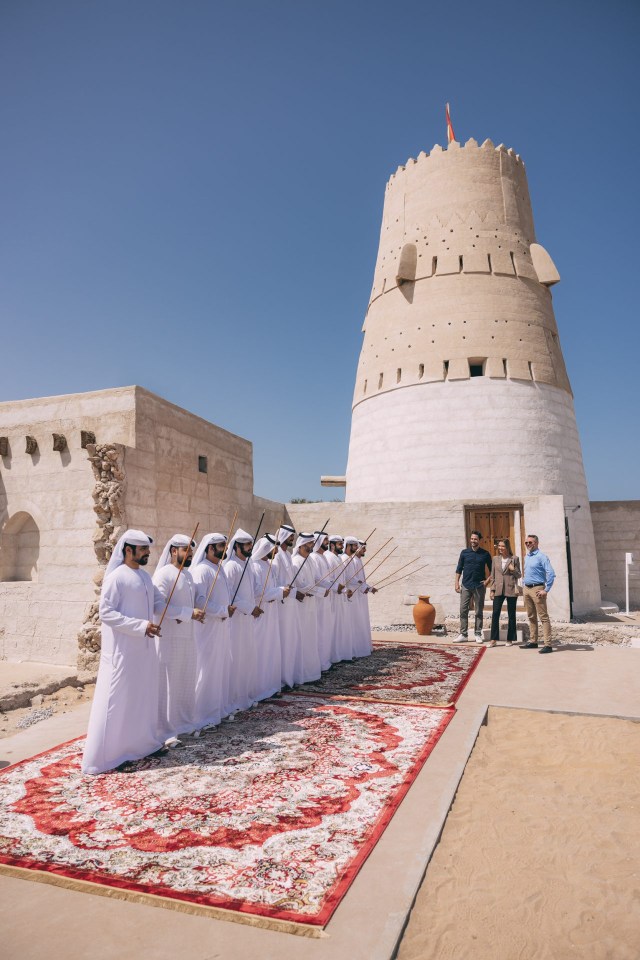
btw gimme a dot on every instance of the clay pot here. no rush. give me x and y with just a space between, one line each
424 615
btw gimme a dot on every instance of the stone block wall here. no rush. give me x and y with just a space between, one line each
616 526
435 532
49 493
61 511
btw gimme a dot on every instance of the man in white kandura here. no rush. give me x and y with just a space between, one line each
324 613
268 596
290 633
357 597
124 715
341 646
213 636
244 654
304 581
177 646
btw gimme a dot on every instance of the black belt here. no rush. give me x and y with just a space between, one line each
531 585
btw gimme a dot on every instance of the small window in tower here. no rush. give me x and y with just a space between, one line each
399 375
434 263
364 390
421 371
446 369
476 368
202 464
380 378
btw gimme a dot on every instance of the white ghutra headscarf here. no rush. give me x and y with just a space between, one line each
206 542
177 540
135 538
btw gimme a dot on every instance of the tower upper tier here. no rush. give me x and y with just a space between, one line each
460 285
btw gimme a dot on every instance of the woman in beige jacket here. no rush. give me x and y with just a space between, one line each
503 584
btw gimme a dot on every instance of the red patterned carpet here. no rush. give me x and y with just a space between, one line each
271 816
404 672
267 820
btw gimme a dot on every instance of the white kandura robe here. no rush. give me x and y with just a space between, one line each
342 645
311 667
358 607
267 631
324 613
124 715
244 654
290 634
213 645
177 653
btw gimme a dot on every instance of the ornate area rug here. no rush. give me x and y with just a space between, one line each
399 672
270 817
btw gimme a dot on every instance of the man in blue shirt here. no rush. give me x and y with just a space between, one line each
475 566
538 580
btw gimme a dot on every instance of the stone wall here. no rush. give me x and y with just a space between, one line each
616 526
40 617
130 459
434 532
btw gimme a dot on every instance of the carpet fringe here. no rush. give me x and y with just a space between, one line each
149 899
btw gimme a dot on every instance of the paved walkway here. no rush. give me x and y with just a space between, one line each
56 924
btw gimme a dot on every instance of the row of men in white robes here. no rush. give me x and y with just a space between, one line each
242 621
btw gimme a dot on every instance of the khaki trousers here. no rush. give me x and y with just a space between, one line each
536 607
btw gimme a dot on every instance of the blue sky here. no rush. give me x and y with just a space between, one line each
191 193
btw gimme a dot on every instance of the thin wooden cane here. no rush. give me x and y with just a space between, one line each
211 588
273 553
244 569
180 568
266 579
384 560
309 554
389 575
372 557
351 558
330 573
411 572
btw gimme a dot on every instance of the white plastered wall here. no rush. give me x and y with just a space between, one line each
435 532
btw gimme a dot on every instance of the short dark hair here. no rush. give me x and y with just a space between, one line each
477 534
533 536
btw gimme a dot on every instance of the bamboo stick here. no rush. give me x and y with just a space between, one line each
372 557
396 571
411 572
211 588
175 583
244 569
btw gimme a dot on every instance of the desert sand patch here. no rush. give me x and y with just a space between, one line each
540 854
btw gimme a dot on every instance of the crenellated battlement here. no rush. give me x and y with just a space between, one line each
438 152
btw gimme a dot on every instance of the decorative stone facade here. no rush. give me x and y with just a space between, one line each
130 459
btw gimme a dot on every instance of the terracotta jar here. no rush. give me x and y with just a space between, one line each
424 615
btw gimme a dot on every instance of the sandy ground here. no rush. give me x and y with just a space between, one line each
42 707
540 855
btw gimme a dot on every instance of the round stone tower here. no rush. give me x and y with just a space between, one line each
461 391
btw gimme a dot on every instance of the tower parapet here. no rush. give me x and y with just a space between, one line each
460 282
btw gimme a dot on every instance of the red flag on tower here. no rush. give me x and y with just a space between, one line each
450 134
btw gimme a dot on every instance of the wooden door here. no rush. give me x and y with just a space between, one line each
494 525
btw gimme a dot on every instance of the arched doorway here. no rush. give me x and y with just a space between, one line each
19 549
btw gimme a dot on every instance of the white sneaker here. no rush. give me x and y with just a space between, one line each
479 637
460 638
